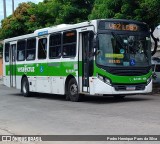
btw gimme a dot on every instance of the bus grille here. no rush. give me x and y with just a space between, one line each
126 87
129 71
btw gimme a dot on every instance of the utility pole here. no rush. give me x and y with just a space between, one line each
4 8
12 6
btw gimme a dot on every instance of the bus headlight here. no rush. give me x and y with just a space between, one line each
107 81
104 79
100 77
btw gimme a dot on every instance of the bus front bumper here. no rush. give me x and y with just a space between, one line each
98 87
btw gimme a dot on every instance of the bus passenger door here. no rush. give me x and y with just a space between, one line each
87 61
13 65
43 80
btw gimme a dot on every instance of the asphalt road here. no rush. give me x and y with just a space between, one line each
51 115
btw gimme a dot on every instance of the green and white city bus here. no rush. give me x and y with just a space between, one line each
98 57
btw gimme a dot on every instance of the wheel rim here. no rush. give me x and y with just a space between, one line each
73 89
25 87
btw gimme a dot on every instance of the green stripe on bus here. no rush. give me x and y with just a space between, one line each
70 68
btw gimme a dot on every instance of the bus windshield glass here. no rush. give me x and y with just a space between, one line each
123 49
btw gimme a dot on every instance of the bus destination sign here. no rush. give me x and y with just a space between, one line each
122 26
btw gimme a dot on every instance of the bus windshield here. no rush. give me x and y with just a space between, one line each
123 50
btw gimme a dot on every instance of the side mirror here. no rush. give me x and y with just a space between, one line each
98 52
154 76
95 46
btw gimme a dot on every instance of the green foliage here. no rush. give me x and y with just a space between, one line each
53 12
15 24
29 16
150 12
142 10
45 13
74 11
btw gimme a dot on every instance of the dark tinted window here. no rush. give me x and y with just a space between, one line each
157 68
69 43
13 53
55 46
7 45
42 48
69 37
153 67
31 49
21 46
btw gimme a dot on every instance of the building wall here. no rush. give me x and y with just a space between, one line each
157 35
1 67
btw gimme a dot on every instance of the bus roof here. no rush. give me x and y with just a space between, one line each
48 30
62 27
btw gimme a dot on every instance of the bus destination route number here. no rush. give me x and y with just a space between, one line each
125 27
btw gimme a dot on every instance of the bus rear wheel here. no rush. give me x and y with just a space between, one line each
72 91
25 87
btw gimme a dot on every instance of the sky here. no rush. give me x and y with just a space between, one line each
9 6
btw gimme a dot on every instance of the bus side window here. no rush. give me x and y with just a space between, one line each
42 48
55 46
7 45
31 49
69 44
21 46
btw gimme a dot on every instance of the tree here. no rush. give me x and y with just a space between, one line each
15 24
29 16
74 11
151 15
141 10
54 12
44 14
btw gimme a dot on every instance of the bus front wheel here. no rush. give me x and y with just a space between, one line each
25 87
72 91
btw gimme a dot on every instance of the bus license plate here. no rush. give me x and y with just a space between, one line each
130 88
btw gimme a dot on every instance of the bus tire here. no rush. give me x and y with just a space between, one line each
72 91
25 87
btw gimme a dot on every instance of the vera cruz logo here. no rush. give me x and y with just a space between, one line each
26 69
